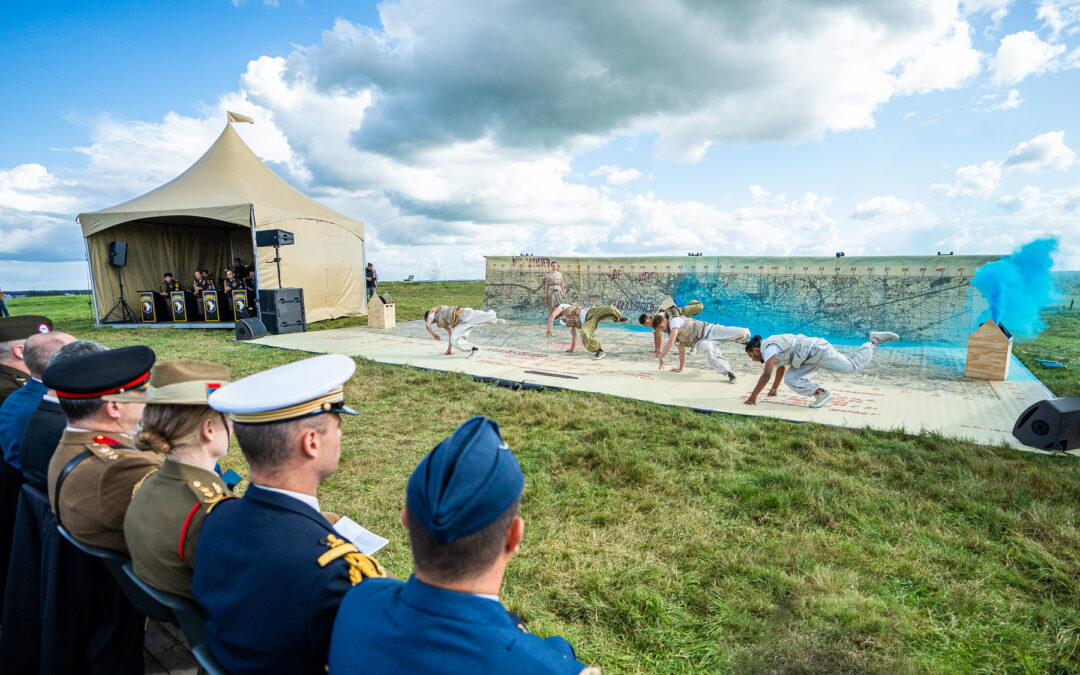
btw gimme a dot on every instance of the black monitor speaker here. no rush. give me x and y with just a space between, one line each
118 253
282 310
273 238
1053 424
249 329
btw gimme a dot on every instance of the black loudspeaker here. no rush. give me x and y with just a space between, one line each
282 310
273 238
118 253
1053 424
249 329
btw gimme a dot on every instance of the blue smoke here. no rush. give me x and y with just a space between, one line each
1018 286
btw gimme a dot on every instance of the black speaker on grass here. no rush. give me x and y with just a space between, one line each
117 253
282 310
1053 424
249 329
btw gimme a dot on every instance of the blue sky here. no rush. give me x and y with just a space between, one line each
460 129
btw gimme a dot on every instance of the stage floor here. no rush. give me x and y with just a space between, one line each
909 387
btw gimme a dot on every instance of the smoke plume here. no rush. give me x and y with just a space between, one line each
1018 286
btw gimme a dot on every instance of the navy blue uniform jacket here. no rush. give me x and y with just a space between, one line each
270 603
388 626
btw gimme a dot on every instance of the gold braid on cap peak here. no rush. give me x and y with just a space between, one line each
321 404
360 566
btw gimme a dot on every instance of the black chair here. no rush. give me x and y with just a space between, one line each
114 562
189 616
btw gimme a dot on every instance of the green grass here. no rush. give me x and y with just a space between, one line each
1059 342
659 540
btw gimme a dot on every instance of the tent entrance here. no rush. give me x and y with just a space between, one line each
176 244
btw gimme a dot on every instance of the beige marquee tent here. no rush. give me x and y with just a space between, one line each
209 214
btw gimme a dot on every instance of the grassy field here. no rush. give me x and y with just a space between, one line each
659 540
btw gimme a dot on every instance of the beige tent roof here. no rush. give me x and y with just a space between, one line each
223 185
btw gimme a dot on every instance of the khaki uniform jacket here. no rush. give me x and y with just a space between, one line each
163 522
446 317
572 316
691 333
96 494
10 380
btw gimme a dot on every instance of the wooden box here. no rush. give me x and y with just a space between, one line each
989 352
381 314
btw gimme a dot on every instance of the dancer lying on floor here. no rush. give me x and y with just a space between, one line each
669 309
457 321
698 334
801 356
587 319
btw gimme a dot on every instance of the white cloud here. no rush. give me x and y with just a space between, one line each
884 206
1045 152
1022 54
945 65
1011 103
616 176
696 74
1025 199
30 187
974 180
1059 15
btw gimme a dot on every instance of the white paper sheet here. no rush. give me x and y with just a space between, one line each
367 541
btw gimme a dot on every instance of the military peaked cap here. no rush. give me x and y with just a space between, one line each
113 371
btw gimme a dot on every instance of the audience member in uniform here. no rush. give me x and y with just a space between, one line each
13 333
95 467
20 406
272 570
166 514
46 426
14 374
462 505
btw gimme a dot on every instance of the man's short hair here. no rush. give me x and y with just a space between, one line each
7 345
642 319
269 446
167 274
76 409
462 558
39 349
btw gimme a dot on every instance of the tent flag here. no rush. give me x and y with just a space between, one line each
237 117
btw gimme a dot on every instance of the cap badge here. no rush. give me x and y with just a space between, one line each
43 328
211 387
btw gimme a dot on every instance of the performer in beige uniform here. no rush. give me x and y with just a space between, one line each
457 322
805 355
587 319
554 291
692 333
669 309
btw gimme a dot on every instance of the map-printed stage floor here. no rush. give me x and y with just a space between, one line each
912 387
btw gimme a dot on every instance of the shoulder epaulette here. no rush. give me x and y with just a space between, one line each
139 484
360 566
207 494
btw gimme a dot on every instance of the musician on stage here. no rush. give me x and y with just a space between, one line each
232 283
169 284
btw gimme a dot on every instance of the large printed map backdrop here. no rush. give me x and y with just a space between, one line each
925 299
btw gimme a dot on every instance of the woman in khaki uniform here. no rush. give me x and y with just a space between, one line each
162 523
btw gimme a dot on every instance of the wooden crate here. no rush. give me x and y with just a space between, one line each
380 314
989 351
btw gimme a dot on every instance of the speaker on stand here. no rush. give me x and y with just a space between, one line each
118 258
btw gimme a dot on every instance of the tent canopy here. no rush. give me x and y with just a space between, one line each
205 216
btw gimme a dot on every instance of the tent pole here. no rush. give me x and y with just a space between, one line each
363 266
255 261
93 281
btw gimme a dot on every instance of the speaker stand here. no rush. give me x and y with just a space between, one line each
126 314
